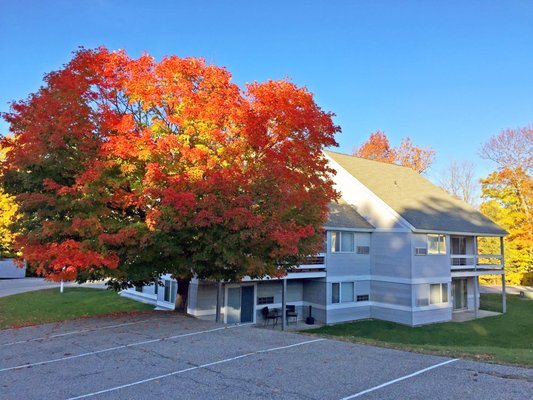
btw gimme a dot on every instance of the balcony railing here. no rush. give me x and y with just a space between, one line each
471 261
314 263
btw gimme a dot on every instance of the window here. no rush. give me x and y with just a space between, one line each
139 288
438 293
335 292
346 292
342 242
342 292
265 300
170 291
436 244
363 297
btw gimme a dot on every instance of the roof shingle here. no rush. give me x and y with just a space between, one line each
425 206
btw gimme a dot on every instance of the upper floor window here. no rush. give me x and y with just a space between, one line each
436 244
342 242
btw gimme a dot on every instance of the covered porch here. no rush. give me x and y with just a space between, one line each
467 263
289 297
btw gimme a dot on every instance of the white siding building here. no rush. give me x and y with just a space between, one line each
397 248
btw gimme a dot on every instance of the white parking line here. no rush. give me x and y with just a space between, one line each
181 371
125 346
399 379
77 331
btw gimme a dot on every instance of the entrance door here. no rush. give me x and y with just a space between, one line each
459 294
240 304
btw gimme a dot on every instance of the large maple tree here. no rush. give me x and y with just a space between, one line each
130 168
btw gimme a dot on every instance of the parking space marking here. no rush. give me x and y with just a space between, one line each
124 346
181 371
399 379
77 331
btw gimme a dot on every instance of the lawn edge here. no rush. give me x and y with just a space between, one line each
442 353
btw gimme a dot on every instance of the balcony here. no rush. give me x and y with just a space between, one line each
312 264
479 262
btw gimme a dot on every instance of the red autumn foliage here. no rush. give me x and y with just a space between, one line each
377 148
131 168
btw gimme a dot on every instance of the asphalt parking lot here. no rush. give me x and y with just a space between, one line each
163 355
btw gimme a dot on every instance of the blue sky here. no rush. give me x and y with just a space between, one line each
449 74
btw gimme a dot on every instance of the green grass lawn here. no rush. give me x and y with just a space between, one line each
49 305
506 338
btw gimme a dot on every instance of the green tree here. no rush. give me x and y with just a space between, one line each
8 214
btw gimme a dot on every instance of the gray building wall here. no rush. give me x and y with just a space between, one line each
350 312
431 265
345 264
391 293
431 316
391 254
314 294
389 314
203 299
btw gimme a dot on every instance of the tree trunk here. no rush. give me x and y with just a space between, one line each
182 295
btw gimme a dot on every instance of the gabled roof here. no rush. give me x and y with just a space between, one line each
343 215
423 205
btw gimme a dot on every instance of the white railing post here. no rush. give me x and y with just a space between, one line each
475 253
502 254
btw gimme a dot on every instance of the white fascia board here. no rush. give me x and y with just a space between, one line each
392 230
426 231
348 278
290 275
467 274
335 228
356 185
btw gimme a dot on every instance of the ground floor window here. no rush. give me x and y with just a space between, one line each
438 293
433 293
342 292
170 291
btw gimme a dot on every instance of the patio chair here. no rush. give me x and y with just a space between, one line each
290 312
270 315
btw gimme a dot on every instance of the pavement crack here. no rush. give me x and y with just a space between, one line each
505 376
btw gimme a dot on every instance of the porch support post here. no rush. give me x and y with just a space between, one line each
219 303
284 305
504 297
476 278
475 295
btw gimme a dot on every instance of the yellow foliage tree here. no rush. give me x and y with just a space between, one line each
8 214
508 194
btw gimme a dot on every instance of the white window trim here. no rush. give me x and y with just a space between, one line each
440 293
354 297
439 252
340 233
